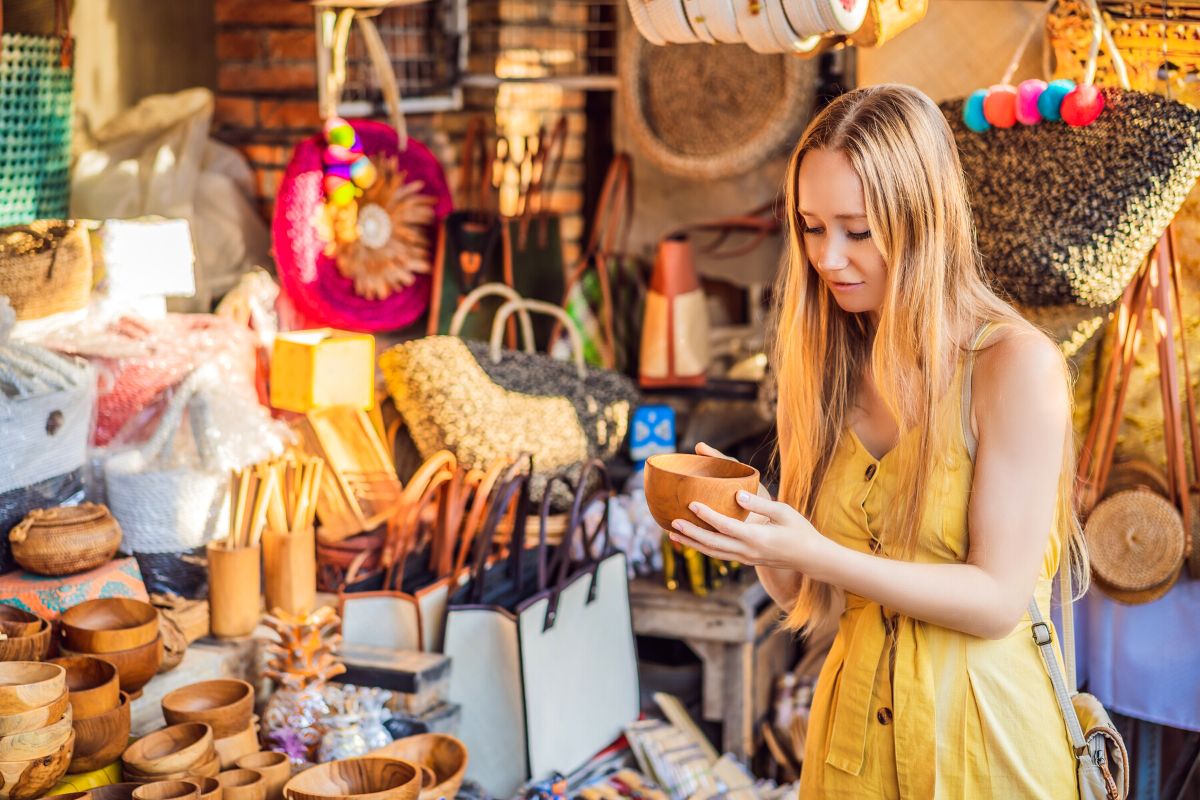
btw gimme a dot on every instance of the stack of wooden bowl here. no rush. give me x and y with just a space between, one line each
118 630
26 636
174 753
276 769
101 712
380 778
36 737
227 706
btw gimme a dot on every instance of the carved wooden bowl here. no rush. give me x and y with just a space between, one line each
676 479
18 622
109 625
167 790
225 704
135 667
114 791
242 784
173 749
367 778
36 743
100 740
35 718
93 685
26 685
443 754
276 769
210 788
25 780
24 646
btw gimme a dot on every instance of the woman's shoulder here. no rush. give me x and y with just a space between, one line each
1021 367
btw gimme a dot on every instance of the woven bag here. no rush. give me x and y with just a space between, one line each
45 267
36 83
65 540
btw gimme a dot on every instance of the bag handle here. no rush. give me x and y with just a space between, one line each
539 306
468 303
336 80
484 486
414 493
759 221
514 488
475 192
1193 431
407 531
576 523
547 163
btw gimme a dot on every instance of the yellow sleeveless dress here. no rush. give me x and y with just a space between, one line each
908 709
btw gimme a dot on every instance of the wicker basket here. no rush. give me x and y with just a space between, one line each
45 267
1136 543
66 540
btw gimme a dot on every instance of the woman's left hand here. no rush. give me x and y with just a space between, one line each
785 540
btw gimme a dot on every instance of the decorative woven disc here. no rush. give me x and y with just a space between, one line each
1135 540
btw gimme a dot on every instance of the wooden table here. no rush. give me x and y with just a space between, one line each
735 632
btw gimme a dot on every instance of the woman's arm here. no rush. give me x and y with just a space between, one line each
1022 406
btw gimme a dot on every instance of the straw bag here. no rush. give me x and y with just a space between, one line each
45 267
1067 214
887 19
65 540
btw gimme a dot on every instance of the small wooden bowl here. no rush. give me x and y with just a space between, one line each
135 667
231 748
37 718
26 685
226 704
109 625
276 769
210 788
207 767
167 790
175 748
18 622
114 791
100 740
368 778
676 479
93 685
36 743
25 780
445 755
27 647
72 796
242 784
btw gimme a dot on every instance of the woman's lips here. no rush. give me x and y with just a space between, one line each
843 286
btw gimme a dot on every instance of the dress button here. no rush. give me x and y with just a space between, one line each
871 471
884 715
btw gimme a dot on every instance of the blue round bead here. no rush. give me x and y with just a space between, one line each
1050 103
973 116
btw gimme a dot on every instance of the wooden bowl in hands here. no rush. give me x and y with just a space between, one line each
225 704
368 778
36 743
167 790
676 479
173 749
18 622
100 740
135 667
25 646
443 754
276 769
243 784
27 685
93 685
109 625
25 780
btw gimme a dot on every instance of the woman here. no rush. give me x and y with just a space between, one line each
926 461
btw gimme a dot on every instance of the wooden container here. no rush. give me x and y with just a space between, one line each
321 368
231 748
109 625
36 743
18 622
25 780
226 704
290 570
445 755
93 685
674 480
100 740
242 784
208 767
167 790
373 777
73 796
27 685
234 589
114 791
135 667
35 718
210 788
172 749
26 647
66 539
276 769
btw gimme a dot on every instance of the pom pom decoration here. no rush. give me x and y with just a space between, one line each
339 191
1028 94
973 116
363 173
336 154
1000 106
338 132
1082 106
1050 103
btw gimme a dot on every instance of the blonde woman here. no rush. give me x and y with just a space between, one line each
926 461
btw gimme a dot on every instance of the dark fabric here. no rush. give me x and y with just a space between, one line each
472 255
184 573
538 270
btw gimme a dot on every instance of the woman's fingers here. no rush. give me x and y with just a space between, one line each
711 544
715 519
704 450
771 509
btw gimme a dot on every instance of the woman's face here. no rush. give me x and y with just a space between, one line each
836 237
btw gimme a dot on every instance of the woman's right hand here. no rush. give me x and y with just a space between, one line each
704 450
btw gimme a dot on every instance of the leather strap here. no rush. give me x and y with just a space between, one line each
760 221
1193 430
547 163
475 190
404 528
413 494
483 487
380 60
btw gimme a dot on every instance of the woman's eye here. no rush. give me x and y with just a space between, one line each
858 236
811 231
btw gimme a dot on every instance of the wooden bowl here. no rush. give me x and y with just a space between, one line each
93 685
445 755
210 788
673 480
26 685
231 748
109 625
361 778
37 718
25 780
100 740
73 796
242 784
207 767
276 769
167 790
175 748
36 743
18 622
26 647
114 791
135 667
225 704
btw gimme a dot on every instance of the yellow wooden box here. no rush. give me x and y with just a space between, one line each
322 368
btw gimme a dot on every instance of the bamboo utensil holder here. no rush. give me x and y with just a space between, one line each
290 569
234 589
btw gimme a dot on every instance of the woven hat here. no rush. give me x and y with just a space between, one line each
1136 544
712 112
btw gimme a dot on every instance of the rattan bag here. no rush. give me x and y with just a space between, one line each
45 267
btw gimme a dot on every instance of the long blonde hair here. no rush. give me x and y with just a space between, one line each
917 208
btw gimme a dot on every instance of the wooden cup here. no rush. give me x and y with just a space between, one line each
234 589
243 784
275 768
210 788
167 790
290 570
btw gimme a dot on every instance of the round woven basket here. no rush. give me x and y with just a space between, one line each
65 540
706 112
1136 543
45 267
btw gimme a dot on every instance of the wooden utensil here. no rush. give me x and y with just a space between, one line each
26 685
18 622
231 748
25 780
93 685
226 704
235 592
276 769
174 748
36 718
36 743
676 479
167 790
109 625
135 667
100 740
445 755
26 647
360 778
242 784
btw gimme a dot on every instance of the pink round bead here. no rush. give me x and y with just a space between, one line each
1028 94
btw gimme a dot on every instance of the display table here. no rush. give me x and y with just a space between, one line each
735 632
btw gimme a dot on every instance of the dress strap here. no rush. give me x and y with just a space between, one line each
981 335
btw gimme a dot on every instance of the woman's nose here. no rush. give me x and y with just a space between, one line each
832 256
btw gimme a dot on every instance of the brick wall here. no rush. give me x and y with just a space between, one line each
267 101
